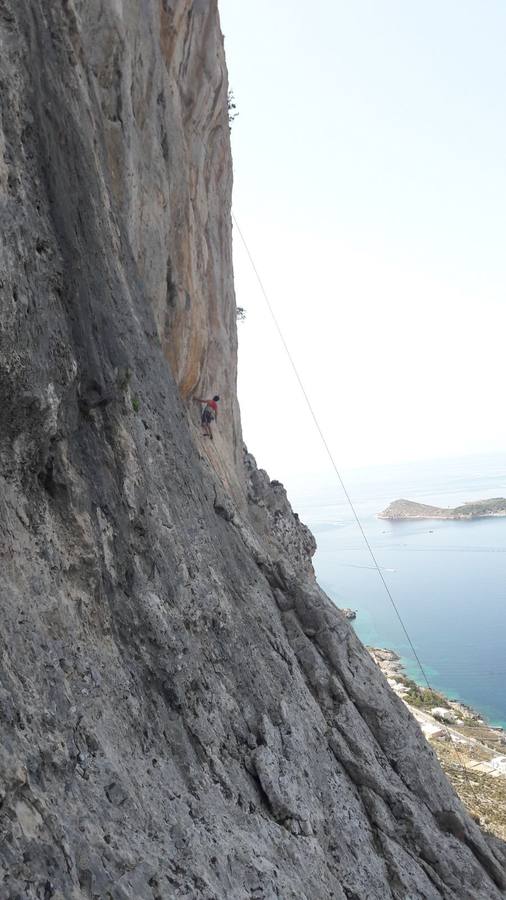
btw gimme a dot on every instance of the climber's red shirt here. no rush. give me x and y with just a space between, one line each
213 405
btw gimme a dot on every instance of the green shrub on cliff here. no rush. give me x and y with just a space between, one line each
424 698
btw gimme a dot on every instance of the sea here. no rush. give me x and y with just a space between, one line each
447 578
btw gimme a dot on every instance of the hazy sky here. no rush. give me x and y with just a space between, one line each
370 182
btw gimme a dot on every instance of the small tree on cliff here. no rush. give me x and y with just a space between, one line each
231 107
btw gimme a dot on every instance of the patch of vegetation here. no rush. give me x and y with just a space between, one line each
407 682
136 404
424 698
123 378
231 107
240 314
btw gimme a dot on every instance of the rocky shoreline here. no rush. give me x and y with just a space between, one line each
470 750
457 713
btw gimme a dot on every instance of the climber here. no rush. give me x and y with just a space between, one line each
209 413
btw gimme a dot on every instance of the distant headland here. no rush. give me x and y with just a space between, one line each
408 509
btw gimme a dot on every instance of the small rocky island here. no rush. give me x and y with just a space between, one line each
349 613
409 509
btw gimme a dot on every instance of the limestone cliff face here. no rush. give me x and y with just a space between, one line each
183 712
157 72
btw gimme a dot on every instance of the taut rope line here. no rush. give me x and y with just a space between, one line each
343 486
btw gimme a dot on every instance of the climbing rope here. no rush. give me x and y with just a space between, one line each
343 487
338 474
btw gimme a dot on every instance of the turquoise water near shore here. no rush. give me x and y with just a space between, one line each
448 578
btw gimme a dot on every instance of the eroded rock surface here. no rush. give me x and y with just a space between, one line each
184 714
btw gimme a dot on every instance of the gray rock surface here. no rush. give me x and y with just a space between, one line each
184 714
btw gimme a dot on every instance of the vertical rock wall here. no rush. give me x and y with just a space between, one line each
183 713
158 72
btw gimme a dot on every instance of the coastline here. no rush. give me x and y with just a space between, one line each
462 739
370 633
461 713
